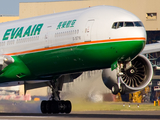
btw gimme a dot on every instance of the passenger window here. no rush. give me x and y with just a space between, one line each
128 24
120 24
114 25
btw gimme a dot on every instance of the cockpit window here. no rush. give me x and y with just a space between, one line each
128 24
114 25
117 25
120 24
138 24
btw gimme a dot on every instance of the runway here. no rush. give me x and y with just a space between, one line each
100 115
20 110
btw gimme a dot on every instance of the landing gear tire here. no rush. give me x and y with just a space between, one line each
48 107
115 89
123 88
56 107
61 106
68 107
43 107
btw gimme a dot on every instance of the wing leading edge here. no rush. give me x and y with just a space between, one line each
151 48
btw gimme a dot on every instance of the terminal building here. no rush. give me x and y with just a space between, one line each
147 10
4 18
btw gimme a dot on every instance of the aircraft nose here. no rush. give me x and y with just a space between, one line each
134 43
140 34
139 40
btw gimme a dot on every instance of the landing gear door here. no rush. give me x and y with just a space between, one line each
88 30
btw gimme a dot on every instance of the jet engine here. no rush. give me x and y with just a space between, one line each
132 79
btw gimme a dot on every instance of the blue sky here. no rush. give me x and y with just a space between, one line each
11 7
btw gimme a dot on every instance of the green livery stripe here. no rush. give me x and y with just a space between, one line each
70 59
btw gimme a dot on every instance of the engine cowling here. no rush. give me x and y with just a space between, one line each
135 78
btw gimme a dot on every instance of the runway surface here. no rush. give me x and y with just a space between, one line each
96 115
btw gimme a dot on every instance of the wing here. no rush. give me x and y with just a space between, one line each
151 48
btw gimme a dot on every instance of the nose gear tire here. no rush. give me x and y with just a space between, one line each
115 89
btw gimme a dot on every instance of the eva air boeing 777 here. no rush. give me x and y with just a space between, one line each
57 48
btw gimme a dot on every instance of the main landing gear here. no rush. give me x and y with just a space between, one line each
52 106
55 105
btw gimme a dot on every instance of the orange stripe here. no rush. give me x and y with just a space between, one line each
74 44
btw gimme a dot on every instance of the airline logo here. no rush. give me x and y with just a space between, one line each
20 32
66 24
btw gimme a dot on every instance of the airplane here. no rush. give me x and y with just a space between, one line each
54 49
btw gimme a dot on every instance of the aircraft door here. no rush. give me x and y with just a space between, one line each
49 39
88 30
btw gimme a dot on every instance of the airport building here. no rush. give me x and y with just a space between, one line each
146 10
4 18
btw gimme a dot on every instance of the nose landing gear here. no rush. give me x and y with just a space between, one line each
119 86
115 89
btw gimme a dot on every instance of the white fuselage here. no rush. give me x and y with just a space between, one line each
91 24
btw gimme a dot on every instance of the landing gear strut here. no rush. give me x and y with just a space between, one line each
54 104
119 87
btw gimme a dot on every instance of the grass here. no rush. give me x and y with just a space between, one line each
112 106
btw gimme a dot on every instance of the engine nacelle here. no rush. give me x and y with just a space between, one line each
135 78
